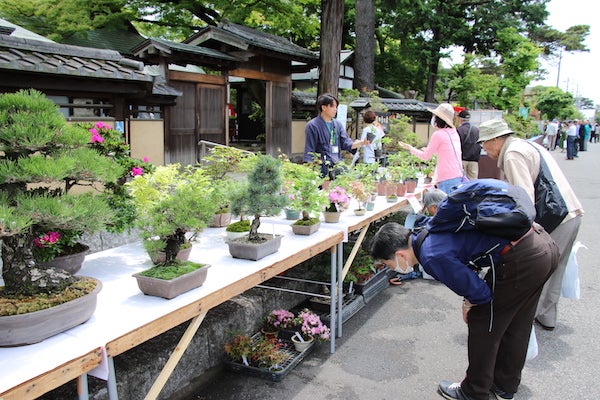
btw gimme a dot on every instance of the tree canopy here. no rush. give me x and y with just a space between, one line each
499 37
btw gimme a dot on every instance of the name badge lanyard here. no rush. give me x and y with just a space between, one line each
333 139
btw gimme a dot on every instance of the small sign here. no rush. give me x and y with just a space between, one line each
120 126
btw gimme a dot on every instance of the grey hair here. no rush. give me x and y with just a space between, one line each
390 238
433 197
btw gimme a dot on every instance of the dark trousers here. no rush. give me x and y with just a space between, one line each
570 147
497 355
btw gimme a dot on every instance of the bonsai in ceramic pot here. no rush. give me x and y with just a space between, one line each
174 204
50 181
219 164
301 183
260 195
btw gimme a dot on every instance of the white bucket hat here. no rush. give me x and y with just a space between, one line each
445 111
493 128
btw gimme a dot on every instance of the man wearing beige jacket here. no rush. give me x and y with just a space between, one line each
520 162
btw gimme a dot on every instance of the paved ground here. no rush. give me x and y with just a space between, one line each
408 338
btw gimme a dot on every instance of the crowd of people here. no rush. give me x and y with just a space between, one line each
570 136
522 282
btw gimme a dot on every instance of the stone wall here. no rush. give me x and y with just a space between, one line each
138 368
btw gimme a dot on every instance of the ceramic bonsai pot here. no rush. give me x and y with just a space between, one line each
34 327
305 229
220 220
70 262
169 289
244 249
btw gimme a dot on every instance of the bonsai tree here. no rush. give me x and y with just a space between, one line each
42 161
261 194
219 164
172 202
302 188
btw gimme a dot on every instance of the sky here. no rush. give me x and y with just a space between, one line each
578 71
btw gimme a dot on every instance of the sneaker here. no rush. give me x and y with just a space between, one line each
452 391
501 394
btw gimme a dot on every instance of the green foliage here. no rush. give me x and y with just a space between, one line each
400 130
302 187
261 194
42 160
171 202
522 127
554 103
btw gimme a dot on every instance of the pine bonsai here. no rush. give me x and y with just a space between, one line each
261 195
50 178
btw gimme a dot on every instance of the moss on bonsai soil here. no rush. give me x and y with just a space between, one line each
21 304
171 271
307 222
239 226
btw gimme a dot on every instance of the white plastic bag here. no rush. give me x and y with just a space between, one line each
532 347
570 283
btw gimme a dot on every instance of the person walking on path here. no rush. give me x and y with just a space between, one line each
520 162
551 134
469 144
326 136
445 143
498 308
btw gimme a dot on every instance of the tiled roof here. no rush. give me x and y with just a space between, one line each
256 38
35 56
121 40
408 106
182 52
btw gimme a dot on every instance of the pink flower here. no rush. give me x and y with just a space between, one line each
47 239
96 138
136 171
145 159
101 125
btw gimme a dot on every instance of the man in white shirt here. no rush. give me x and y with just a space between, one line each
551 133
571 138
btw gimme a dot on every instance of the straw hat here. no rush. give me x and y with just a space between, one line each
492 129
445 111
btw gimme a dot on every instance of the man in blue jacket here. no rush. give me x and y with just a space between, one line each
500 282
326 136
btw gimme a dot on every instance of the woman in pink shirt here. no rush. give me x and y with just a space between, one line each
445 143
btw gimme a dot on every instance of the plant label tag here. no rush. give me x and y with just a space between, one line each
299 336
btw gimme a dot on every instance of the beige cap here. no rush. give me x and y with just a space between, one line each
493 129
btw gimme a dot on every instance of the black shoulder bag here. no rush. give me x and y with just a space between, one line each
550 207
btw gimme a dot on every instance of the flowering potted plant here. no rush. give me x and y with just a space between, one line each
338 201
277 320
44 160
310 328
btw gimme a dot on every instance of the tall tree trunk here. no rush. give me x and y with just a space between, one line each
364 55
432 76
332 19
